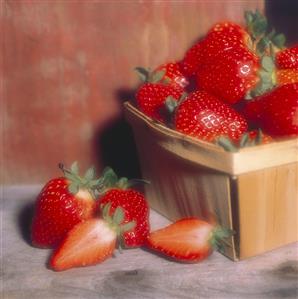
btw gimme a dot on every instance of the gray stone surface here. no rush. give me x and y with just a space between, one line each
135 273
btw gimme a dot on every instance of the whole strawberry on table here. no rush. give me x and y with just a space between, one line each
85 219
246 81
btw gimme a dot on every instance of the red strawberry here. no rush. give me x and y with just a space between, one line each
203 116
186 240
230 75
172 74
222 37
286 76
151 99
288 58
133 203
228 62
276 112
62 203
90 242
157 87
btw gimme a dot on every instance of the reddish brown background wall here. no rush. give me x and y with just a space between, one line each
69 64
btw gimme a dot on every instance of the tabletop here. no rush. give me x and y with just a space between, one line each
134 273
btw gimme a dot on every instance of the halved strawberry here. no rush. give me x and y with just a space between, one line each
187 240
89 242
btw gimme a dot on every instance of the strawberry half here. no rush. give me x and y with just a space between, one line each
203 116
117 193
288 58
90 242
186 240
62 203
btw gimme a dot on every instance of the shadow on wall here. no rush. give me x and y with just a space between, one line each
283 15
116 143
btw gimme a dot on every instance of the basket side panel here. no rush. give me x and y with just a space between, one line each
268 207
180 188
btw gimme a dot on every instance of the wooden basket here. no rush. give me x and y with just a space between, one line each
253 192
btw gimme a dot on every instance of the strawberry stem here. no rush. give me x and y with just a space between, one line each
88 181
218 235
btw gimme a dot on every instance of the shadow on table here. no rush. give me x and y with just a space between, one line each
24 220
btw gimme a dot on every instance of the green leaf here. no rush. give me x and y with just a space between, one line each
259 137
262 45
227 144
244 140
157 76
279 40
171 104
73 188
265 76
143 73
248 15
90 174
122 183
106 210
268 63
128 226
70 176
74 168
271 34
118 216
110 178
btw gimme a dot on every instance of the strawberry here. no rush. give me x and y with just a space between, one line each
62 203
222 37
151 99
172 74
286 76
232 62
203 116
288 58
276 112
119 194
230 75
187 240
251 138
157 87
89 242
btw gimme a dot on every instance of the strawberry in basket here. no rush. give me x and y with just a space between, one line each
167 80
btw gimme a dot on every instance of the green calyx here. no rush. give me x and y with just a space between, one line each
217 237
146 76
245 141
262 37
87 182
265 43
110 180
115 222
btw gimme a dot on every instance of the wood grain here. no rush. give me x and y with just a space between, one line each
243 189
268 209
209 154
135 274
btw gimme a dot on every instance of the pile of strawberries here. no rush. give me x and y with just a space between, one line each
237 86
83 219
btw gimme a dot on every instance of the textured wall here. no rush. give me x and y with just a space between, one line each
68 65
